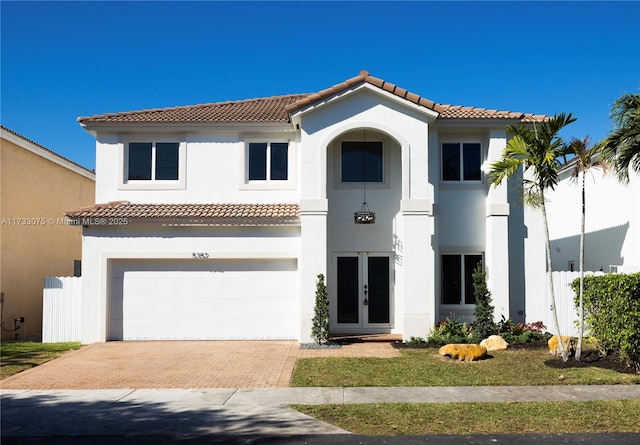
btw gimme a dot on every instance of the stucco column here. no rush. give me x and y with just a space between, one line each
497 233
313 259
416 266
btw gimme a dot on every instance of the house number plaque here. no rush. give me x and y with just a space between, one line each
200 255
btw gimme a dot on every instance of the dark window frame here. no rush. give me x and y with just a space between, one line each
160 163
268 161
362 161
463 164
456 286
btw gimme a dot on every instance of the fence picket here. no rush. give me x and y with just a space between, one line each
567 312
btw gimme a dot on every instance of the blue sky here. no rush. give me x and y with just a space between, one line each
61 60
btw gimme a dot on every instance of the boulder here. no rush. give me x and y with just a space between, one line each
494 343
464 352
568 342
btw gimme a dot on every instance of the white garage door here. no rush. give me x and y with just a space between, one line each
203 299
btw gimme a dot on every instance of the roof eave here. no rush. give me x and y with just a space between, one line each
86 221
130 127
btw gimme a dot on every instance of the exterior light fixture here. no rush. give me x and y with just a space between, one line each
364 215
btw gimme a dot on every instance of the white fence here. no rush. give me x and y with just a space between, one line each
567 312
61 300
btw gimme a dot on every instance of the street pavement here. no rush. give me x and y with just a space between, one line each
258 415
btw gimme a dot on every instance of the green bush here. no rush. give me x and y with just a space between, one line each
519 333
612 313
320 327
483 326
450 331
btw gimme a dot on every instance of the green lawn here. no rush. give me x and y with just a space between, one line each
481 418
424 367
18 356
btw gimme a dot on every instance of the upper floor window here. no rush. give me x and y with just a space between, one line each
153 161
362 162
268 161
457 278
461 161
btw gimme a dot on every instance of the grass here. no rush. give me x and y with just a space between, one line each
424 367
18 356
620 416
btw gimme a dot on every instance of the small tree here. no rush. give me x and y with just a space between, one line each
320 328
483 325
536 152
585 159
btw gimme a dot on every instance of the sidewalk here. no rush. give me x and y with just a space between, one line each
239 411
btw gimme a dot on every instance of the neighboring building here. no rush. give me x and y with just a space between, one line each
37 187
612 224
214 220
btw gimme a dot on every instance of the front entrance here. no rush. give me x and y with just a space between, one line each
362 292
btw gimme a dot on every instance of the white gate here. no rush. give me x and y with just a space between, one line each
61 299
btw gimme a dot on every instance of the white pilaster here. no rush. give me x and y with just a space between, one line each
497 233
312 260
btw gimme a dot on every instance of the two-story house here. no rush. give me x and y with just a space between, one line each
215 220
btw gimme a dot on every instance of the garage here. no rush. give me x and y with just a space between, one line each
203 299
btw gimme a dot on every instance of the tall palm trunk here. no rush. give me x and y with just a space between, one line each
581 298
554 310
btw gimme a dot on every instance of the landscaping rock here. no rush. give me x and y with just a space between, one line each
568 342
464 352
494 343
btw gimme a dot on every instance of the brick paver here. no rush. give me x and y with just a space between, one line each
184 364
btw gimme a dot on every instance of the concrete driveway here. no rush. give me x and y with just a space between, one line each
180 364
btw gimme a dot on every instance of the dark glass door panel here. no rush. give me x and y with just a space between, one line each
378 280
348 280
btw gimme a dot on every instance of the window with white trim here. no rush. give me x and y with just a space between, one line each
457 278
153 161
461 161
268 161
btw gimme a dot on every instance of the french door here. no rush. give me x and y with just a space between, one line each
362 291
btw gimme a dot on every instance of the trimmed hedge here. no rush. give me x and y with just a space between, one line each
612 312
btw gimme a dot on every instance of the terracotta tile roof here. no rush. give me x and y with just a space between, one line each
283 213
460 112
277 109
364 76
249 111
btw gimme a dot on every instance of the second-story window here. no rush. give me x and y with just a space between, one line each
461 161
153 161
362 162
268 161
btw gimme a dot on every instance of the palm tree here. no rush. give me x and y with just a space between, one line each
585 159
622 146
536 151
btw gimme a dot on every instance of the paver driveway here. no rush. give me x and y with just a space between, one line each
183 364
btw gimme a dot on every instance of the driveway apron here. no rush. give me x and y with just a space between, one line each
179 364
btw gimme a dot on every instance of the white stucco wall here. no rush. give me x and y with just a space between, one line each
612 225
214 170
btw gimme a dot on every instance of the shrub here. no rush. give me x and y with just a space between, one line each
320 327
483 326
519 333
450 331
612 313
